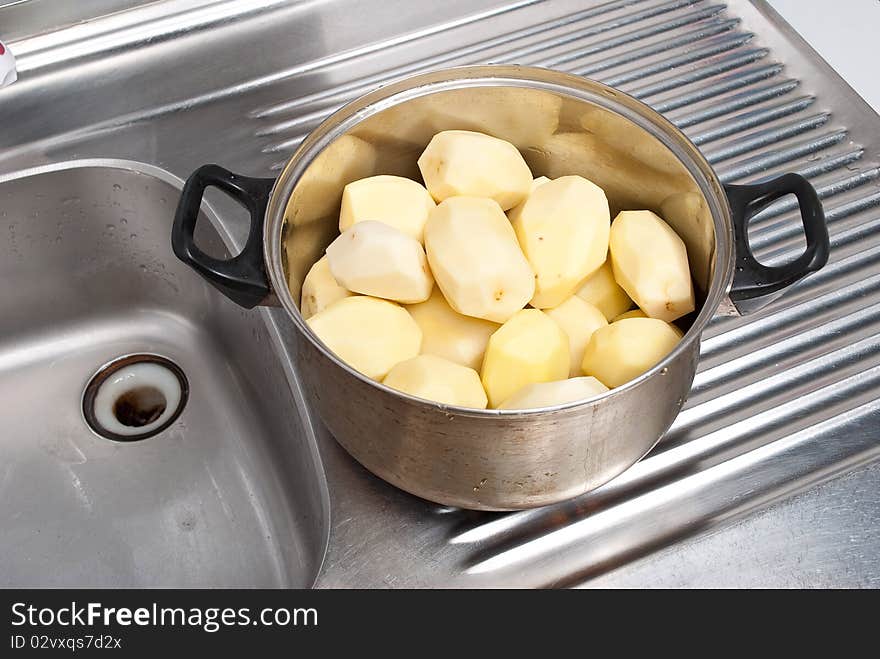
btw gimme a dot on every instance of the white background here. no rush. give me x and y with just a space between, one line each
846 33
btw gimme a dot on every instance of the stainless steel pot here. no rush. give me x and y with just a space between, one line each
563 124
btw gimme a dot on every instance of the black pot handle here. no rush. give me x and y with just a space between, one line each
242 278
752 279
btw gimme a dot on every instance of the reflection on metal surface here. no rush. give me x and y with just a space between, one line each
816 539
559 131
728 73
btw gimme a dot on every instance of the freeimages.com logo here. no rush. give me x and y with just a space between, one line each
95 615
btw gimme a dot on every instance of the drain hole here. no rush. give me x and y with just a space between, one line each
139 407
135 397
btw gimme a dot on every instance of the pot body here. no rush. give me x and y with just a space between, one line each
494 462
494 459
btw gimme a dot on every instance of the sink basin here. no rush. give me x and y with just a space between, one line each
232 492
785 399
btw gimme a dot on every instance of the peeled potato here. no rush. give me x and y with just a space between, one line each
438 379
627 348
303 247
463 163
528 348
368 334
635 313
320 289
578 319
476 259
393 200
447 333
601 289
650 263
545 394
375 259
538 182
563 229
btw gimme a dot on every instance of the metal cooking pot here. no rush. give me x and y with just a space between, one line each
563 124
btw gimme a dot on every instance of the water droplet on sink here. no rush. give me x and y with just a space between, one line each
123 221
111 227
134 235
116 186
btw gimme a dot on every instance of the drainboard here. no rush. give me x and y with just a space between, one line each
785 399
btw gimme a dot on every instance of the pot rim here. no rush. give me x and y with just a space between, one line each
580 88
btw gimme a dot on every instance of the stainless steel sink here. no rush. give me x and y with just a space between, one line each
232 493
769 476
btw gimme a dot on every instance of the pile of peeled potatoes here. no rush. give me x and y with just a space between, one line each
485 287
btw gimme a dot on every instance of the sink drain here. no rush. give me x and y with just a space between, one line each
135 397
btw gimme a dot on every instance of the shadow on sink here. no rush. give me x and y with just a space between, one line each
231 493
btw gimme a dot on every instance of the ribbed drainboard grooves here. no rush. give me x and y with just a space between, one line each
804 372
